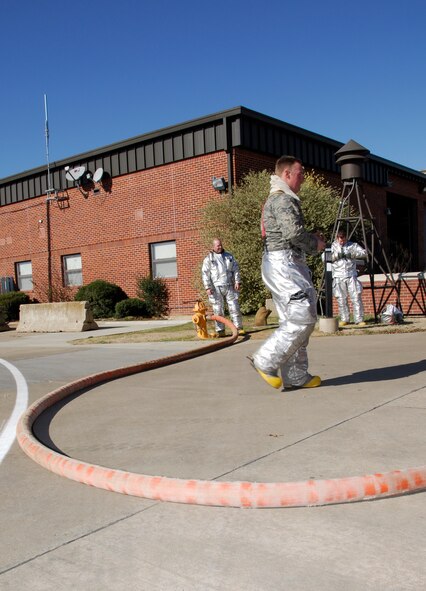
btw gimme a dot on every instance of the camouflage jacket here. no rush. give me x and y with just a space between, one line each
283 226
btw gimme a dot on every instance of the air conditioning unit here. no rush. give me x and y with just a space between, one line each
7 284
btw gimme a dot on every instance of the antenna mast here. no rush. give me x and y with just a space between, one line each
50 189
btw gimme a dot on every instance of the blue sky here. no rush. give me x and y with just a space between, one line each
117 69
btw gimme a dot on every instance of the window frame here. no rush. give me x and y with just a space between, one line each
156 261
21 278
67 273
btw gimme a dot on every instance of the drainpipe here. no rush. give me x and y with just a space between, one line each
49 249
228 150
230 171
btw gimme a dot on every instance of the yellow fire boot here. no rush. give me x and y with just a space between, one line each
314 382
272 379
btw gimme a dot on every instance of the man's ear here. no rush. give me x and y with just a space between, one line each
286 172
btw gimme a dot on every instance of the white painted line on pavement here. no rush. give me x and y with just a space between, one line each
8 433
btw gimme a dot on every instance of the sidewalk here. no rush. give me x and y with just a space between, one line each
213 418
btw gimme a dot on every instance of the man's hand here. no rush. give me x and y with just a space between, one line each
237 286
209 291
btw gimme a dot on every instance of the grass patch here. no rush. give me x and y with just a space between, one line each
162 329
183 332
187 332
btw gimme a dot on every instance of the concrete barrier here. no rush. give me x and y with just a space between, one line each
56 317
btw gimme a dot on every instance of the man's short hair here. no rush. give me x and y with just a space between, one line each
341 234
285 162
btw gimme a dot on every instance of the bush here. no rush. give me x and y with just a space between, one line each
103 297
131 307
236 221
155 294
10 302
55 292
320 204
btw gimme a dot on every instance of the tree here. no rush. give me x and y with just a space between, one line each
320 204
235 219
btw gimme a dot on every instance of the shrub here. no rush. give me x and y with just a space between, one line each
236 221
155 294
103 297
10 302
131 307
320 203
55 292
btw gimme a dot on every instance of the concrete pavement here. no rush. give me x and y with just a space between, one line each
213 418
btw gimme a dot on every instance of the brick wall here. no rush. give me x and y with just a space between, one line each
246 161
113 231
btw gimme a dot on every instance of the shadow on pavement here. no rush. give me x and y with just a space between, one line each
379 374
41 426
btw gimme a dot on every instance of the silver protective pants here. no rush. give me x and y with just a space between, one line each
344 288
217 302
288 278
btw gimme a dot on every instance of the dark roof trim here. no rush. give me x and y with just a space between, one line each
232 128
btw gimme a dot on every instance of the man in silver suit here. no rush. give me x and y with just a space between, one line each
345 278
221 278
288 278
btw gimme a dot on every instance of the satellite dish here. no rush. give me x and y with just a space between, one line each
73 174
99 173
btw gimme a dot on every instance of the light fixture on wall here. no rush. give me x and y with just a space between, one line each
219 184
388 211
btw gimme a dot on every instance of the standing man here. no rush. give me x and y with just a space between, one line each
345 278
221 278
288 278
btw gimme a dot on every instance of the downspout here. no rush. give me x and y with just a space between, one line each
230 171
49 250
229 154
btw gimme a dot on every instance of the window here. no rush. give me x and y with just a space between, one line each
71 264
163 259
24 275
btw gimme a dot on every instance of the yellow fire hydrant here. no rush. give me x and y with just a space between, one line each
200 320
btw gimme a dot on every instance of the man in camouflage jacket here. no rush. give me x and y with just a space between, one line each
288 278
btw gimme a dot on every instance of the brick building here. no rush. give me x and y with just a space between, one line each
142 216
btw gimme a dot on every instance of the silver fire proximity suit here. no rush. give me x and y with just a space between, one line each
345 281
220 273
288 278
